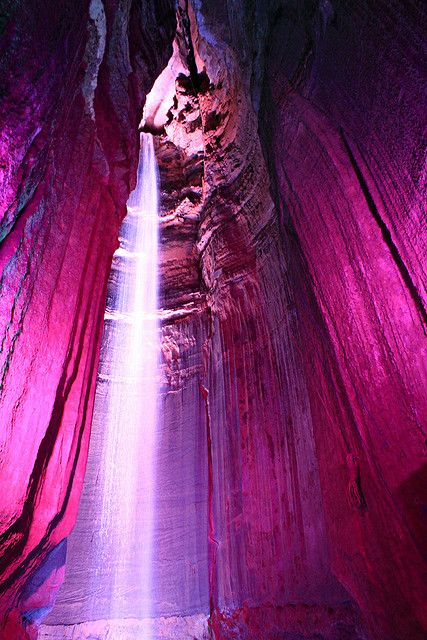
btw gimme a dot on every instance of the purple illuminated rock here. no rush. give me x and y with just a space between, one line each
72 89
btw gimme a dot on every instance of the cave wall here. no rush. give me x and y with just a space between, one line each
315 288
73 78
343 116
240 545
265 496
269 566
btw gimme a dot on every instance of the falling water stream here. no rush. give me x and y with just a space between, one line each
131 346
137 560
109 579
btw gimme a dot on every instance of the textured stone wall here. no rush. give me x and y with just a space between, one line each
343 123
73 79
314 275
267 537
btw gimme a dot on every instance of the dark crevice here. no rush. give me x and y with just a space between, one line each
212 542
386 234
196 79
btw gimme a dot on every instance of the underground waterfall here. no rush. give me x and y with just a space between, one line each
118 565
127 469
280 491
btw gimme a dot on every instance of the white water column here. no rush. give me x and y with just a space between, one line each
129 398
108 593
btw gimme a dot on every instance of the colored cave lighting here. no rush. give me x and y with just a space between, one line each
127 469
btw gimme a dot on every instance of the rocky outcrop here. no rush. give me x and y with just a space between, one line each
312 274
329 285
73 80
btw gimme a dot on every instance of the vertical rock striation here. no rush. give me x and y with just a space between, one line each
72 90
344 125
314 292
268 547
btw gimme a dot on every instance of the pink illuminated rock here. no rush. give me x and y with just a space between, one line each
68 150
344 117
240 530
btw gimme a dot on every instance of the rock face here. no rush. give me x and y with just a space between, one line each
342 111
290 464
73 78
